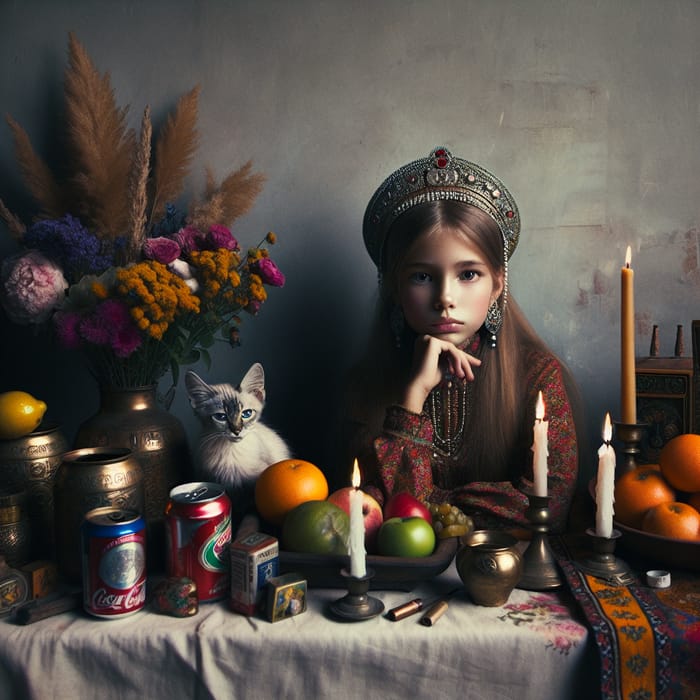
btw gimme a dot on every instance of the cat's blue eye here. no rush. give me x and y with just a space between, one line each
247 413
219 417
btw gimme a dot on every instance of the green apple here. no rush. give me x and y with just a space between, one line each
406 537
318 527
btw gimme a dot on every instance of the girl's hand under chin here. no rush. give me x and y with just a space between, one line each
432 360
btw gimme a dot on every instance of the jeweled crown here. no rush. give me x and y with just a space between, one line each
439 176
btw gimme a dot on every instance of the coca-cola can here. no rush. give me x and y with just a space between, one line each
198 517
114 562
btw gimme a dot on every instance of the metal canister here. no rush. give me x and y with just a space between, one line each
88 478
114 562
198 518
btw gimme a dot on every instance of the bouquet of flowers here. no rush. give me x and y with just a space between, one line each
118 270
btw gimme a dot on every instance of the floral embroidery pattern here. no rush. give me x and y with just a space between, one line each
545 615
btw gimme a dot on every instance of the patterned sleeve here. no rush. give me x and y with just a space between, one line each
403 458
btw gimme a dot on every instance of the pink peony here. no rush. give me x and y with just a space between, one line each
220 237
32 287
269 272
161 249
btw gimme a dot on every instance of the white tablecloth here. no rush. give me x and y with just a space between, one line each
533 647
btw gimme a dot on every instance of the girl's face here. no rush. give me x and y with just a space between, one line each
445 286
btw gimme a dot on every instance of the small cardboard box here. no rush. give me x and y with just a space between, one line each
42 577
254 560
286 596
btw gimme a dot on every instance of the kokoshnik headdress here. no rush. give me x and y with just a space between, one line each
442 176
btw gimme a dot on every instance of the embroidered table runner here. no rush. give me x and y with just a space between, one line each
648 639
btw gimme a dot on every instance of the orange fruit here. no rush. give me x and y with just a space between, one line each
285 485
677 520
638 490
679 460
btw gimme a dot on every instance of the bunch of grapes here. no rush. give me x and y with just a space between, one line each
449 520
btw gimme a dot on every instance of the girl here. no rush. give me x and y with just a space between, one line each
443 404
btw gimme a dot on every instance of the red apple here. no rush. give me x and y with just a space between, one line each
371 511
404 505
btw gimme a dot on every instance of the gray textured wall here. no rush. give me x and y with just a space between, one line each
588 111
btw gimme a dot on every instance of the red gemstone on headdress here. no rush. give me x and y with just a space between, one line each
510 214
440 152
441 162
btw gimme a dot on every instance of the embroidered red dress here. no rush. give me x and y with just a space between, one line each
407 457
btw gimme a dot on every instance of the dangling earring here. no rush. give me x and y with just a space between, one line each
397 324
493 322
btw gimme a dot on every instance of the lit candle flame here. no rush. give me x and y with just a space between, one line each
356 475
539 407
628 257
607 429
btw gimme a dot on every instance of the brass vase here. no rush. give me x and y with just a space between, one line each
89 478
490 566
29 464
132 418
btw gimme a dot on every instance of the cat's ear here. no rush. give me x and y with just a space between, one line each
254 381
197 389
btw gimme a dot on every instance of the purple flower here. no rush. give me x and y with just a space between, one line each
70 244
163 250
32 287
220 237
269 272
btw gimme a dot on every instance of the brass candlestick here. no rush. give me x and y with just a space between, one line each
630 434
540 571
357 604
603 563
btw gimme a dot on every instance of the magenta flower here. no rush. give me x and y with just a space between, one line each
163 250
67 329
253 307
95 329
189 239
122 334
220 237
269 272
31 286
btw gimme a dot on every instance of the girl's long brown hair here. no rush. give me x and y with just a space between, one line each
496 420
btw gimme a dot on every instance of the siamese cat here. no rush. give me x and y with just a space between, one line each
235 446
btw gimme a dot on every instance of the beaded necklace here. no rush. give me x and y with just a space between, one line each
449 406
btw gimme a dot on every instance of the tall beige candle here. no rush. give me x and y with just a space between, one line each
628 390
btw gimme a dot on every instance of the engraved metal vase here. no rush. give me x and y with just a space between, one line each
490 566
132 418
88 478
15 528
29 464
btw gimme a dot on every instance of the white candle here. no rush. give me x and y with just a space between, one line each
357 528
540 449
605 484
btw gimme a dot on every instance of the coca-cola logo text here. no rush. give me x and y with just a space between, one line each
104 599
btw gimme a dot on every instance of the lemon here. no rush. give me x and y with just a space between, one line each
20 413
